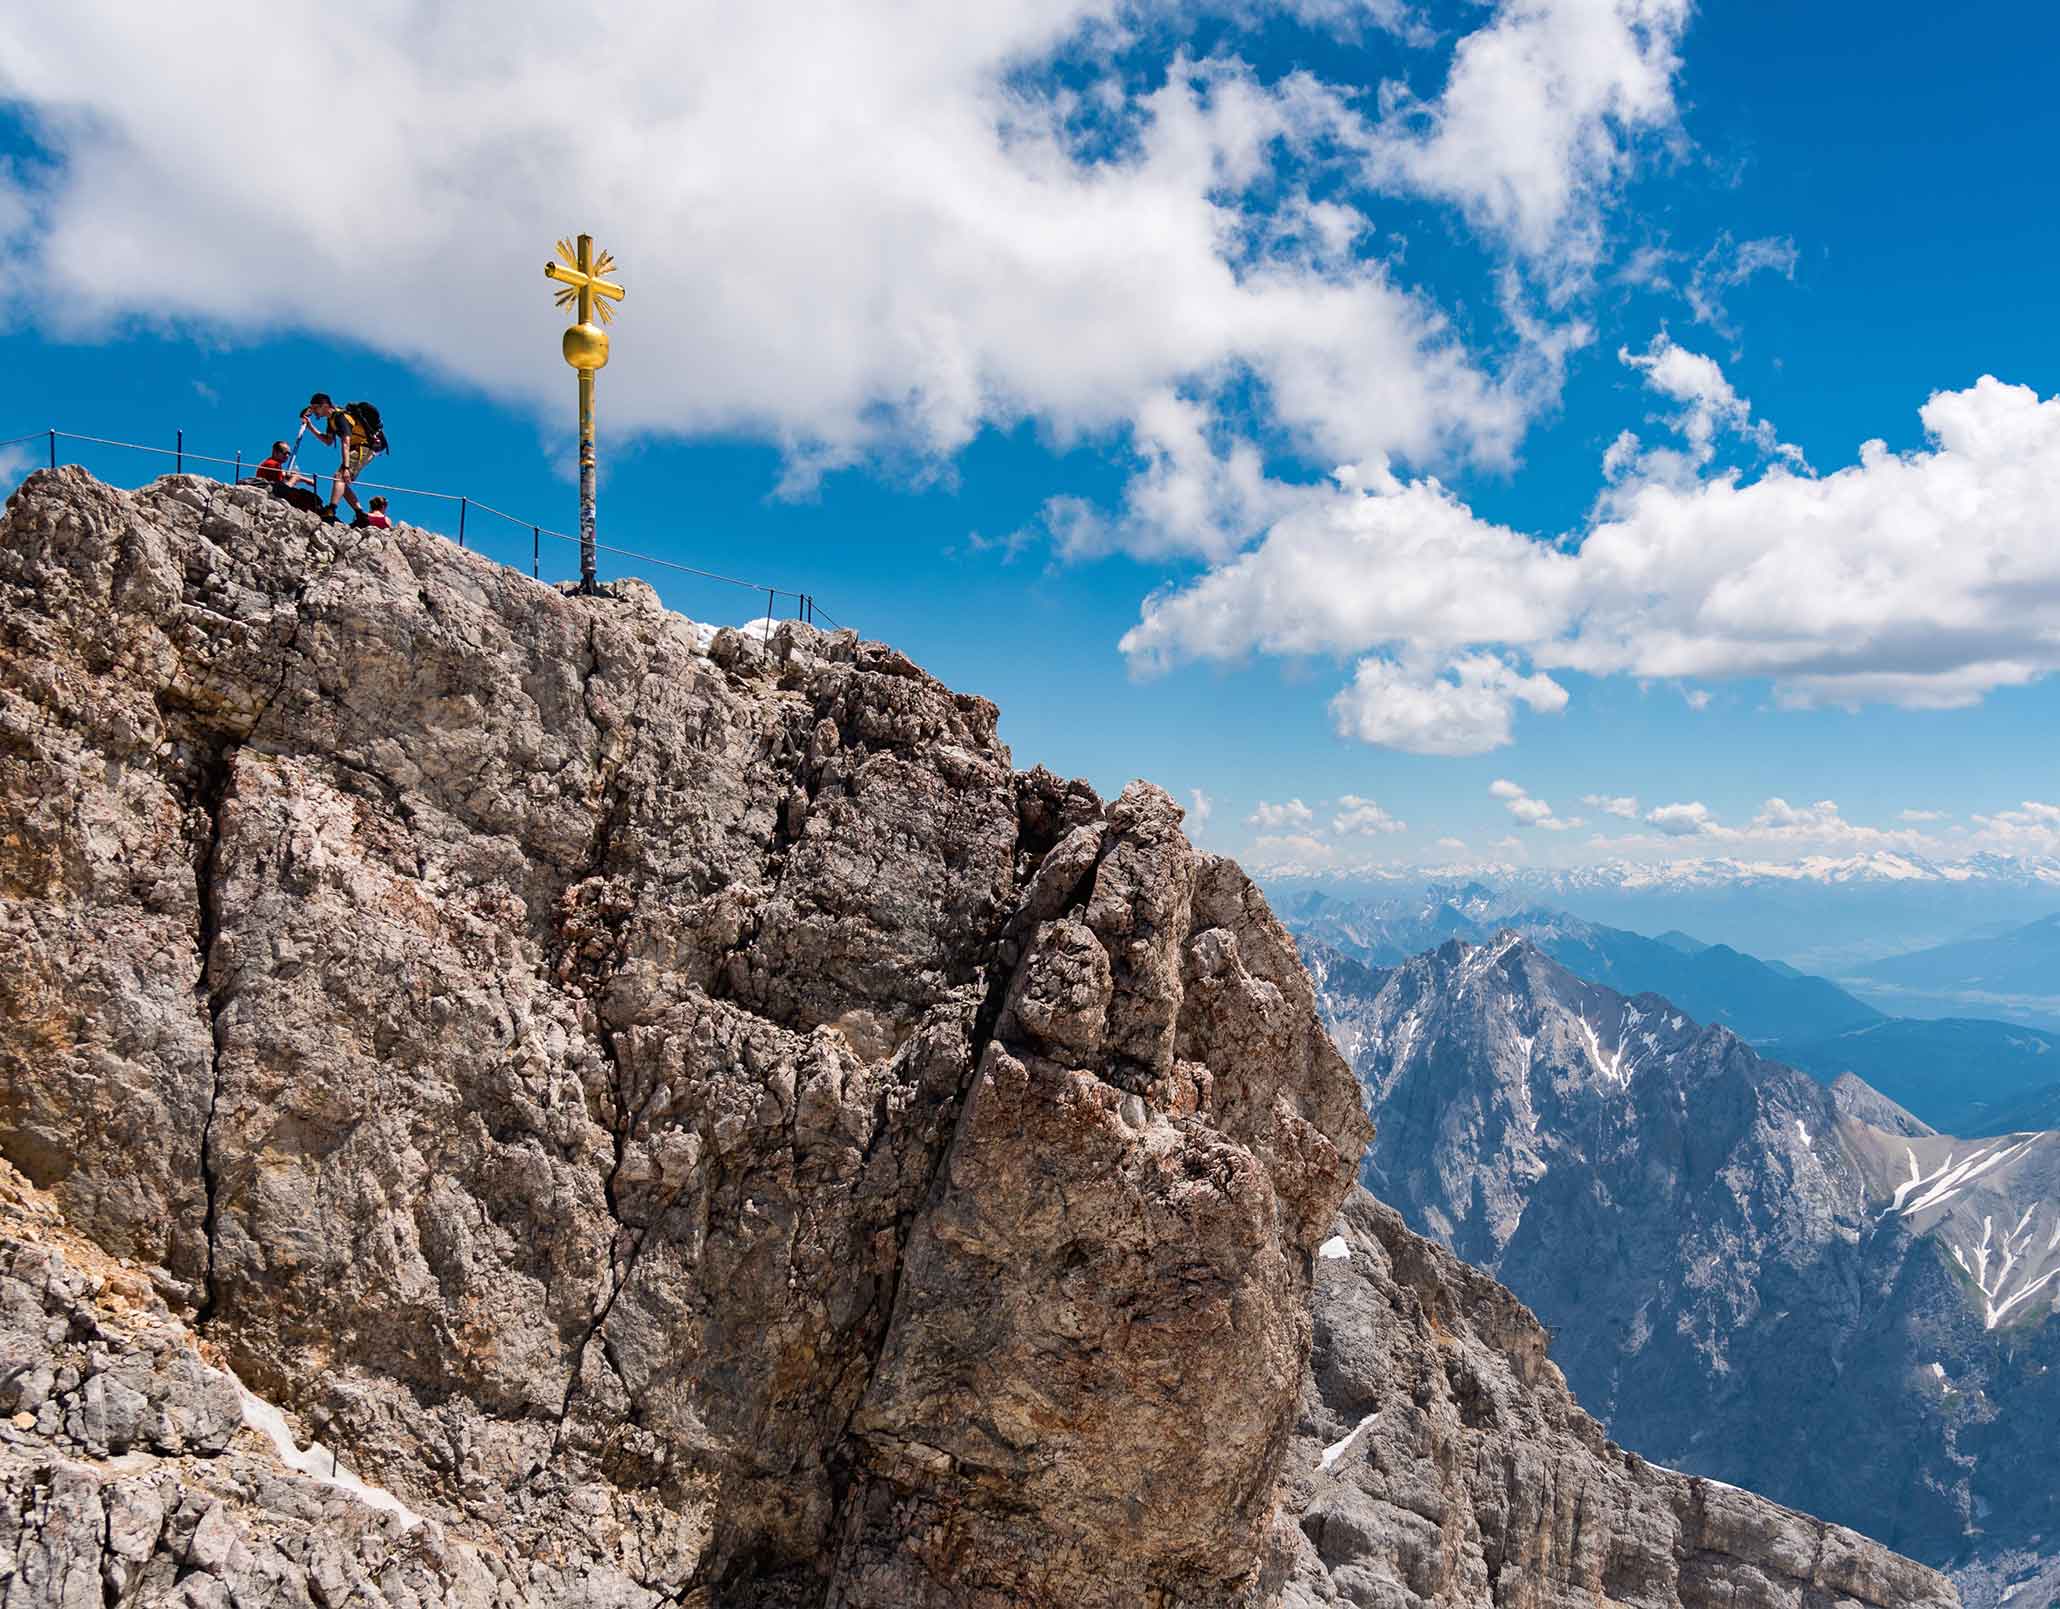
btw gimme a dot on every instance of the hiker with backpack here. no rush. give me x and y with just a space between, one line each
357 431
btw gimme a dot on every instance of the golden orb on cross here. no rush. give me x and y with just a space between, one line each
586 346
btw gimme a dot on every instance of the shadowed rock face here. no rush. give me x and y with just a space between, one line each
685 1119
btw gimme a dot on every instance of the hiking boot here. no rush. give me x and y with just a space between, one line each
329 512
361 521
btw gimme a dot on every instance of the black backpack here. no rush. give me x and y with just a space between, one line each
367 417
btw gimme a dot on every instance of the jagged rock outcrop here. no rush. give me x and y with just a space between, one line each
1440 1459
680 1116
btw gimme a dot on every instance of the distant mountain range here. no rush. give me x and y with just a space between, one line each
1750 1275
2039 872
2014 971
1960 1075
1758 1000
1824 914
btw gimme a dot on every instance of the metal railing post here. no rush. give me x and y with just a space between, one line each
239 466
53 449
179 455
768 616
536 554
463 504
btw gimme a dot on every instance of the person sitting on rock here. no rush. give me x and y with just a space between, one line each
288 485
273 471
377 518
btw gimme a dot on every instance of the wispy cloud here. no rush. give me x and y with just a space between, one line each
1727 265
1531 811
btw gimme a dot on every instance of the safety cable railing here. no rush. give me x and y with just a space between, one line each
805 606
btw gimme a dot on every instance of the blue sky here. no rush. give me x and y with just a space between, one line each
1029 342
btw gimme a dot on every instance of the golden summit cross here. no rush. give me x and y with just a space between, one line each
583 272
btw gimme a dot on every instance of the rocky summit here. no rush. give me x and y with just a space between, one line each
509 1097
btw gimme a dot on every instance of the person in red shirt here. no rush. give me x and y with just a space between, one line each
273 471
287 485
377 518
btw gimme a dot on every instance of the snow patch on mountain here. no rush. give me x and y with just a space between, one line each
2008 1254
317 1461
1947 1180
1336 1449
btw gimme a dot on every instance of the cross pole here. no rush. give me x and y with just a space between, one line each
582 271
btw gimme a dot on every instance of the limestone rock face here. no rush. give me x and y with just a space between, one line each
1439 1459
693 1117
679 1119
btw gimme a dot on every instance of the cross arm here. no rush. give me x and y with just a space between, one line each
579 281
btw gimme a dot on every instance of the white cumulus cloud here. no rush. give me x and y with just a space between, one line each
1363 816
1273 817
1689 820
1781 829
1461 707
2032 828
1924 579
1624 805
1538 121
861 233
